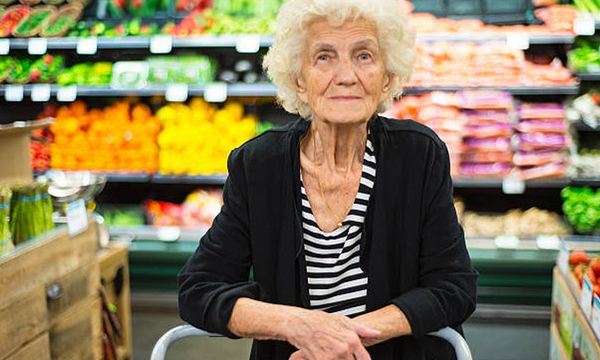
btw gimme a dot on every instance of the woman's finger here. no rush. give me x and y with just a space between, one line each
360 353
366 332
298 355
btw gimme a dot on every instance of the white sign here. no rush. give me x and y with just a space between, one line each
67 93
40 92
584 24
77 220
506 242
513 185
37 46
4 46
87 46
13 93
596 315
563 258
586 297
548 242
215 92
518 41
168 233
176 92
161 44
248 44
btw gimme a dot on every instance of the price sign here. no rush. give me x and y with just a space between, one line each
563 258
548 242
513 185
40 93
77 220
518 41
215 92
584 24
248 44
596 315
13 93
37 46
161 44
586 297
4 46
177 93
168 233
87 46
67 93
506 242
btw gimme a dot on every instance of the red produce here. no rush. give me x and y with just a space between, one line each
578 257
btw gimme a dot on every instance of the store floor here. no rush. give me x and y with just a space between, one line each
489 340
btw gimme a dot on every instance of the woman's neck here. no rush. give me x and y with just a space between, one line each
337 148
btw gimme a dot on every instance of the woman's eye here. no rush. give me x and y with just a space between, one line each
323 57
364 56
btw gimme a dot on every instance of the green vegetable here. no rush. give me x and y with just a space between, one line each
33 21
20 71
59 25
582 208
5 237
30 212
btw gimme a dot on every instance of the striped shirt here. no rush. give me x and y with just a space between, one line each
336 283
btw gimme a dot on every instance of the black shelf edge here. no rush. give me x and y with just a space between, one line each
581 126
127 178
588 76
520 90
497 183
179 179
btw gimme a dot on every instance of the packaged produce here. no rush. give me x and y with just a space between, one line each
581 264
585 109
6 65
130 74
545 111
493 144
542 126
62 21
543 171
94 74
487 157
541 141
20 72
532 222
11 18
485 170
34 22
536 158
491 130
30 212
6 243
582 208
192 70
585 164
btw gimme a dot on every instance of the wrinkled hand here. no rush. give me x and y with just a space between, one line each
322 336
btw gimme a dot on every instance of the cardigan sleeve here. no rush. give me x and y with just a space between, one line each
217 274
446 293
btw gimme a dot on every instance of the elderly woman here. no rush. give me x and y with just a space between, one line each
345 217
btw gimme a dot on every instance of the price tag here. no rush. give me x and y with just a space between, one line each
506 242
67 93
513 185
584 24
161 44
248 44
4 46
177 93
518 41
77 220
40 93
596 315
548 242
168 233
87 46
586 297
37 46
563 258
215 92
13 93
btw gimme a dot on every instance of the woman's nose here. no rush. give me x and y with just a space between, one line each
345 72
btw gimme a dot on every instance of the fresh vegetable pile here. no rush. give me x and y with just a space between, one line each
582 208
34 22
582 264
118 217
40 151
532 222
11 18
585 56
30 212
197 211
588 6
5 237
94 74
44 69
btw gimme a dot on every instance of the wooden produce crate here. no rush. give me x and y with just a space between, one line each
48 287
114 272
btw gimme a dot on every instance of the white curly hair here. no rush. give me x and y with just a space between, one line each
282 60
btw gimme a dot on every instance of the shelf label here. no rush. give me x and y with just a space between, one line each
563 258
4 46
518 41
215 92
77 220
40 92
176 92
161 44
87 46
596 315
67 93
37 46
548 242
586 297
506 242
248 44
13 93
168 233
584 24
513 185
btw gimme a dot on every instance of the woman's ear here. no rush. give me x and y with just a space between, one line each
388 81
301 88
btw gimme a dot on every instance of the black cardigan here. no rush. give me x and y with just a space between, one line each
413 248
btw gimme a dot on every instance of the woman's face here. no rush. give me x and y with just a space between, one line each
343 77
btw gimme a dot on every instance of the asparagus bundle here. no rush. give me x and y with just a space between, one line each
30 212
5 238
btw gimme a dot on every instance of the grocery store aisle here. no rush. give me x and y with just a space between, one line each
489 339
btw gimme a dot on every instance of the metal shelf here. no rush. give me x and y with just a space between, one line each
497 183
178 179
588 76
516 90
533 39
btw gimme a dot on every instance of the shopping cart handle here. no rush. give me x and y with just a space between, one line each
162 345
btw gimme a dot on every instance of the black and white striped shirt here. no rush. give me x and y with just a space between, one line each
336 283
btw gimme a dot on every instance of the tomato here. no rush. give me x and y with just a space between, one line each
578 257
578 271
596 290
595 265
590 274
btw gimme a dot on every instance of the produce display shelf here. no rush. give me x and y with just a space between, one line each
533 39
516 90
581 126
127 178
178 179
588 76
497 183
